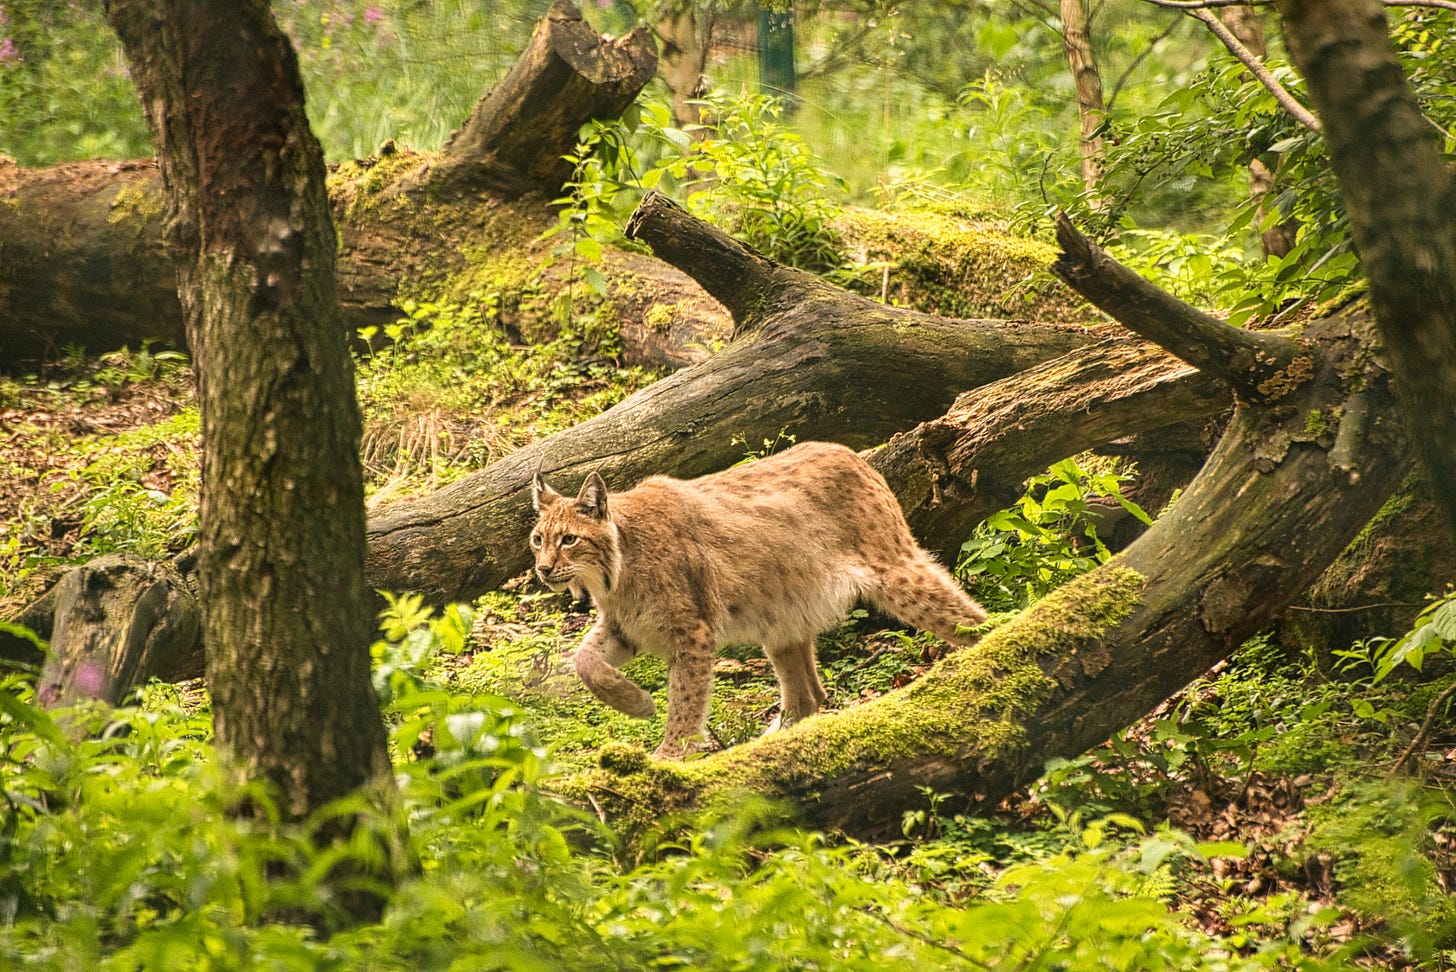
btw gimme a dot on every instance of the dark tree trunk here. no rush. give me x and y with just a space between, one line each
285 612
82 260
1380 582
1398 194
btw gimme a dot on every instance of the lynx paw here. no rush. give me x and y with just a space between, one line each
641 707
676 749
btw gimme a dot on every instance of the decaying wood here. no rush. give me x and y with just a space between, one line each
1272 508
118 620
949 473
515 140
82 260
812 361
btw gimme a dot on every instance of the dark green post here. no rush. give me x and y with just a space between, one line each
776 75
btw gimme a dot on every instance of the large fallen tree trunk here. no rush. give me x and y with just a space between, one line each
82 260
812 361
1277 501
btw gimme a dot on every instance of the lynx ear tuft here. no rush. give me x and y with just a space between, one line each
592 500
542 494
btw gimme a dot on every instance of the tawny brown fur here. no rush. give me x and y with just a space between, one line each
773 553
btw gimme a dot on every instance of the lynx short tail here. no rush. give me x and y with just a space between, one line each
922 593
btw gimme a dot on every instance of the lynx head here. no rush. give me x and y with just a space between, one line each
574 540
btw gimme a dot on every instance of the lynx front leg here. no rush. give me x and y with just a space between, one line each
689 687
596 662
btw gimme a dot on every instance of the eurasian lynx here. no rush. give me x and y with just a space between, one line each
772 552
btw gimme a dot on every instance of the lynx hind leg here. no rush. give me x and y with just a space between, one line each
596 662
801 694
921 592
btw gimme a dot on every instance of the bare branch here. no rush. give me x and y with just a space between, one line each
1260 366
1256 67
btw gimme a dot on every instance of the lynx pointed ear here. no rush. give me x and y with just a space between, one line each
542 494
592 500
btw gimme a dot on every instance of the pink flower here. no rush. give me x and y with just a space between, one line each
9 55
373 15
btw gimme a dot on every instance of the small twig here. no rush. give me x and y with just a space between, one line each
1348 610
1423 733
1256 67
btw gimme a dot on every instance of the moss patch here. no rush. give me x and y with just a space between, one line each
955 265
970 707
136 206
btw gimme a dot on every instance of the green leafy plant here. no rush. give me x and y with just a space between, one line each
1048 536
1432 633
762 180
745 170
413 638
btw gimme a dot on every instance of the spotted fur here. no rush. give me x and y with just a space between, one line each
772 553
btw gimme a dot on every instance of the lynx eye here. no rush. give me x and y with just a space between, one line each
569 540
535 539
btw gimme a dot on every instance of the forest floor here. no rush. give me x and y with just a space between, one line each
1266 769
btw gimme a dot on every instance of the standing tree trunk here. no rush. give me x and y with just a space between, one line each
285 612
1082 60
685 32
1399 198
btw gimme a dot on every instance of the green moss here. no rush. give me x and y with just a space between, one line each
660 317
971 707
357 187
955 265
136 206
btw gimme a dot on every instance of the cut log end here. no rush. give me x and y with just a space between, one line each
118 622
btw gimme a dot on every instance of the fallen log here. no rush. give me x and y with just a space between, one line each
811 361
951 472
1277 501
118 621
82 260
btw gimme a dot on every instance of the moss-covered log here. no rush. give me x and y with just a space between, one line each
82 259
1277 501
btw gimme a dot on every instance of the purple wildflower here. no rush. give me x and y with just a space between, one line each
9 54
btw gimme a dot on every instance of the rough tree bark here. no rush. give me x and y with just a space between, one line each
285 613
82 259
1087 81
685 30
1280 497
1398 194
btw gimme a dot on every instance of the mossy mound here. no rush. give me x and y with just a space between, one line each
954 264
